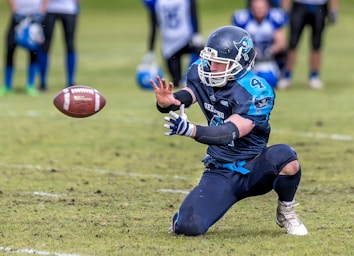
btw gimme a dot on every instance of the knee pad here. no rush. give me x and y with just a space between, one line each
191 226
280 155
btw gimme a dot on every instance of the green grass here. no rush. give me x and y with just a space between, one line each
104 175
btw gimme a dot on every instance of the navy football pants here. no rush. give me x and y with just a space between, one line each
219 189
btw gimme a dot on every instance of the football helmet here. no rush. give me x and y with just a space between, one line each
146 70
269 71
29 34
228 45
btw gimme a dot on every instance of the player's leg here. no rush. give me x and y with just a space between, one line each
69 25
174 68
205 204
31 73
9 59
317 24
297 24
193 52
43 57
277 167
280 58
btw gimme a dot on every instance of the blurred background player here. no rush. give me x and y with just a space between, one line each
266 26
178 24
66 11
273 3
312 13
20 10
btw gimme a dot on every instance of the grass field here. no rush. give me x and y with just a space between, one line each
109 184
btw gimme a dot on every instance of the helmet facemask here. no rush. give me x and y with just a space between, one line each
219 79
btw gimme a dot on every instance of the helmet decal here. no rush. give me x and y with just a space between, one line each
247 45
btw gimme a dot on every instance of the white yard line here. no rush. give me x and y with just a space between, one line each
39 193
33 251
102 171
341 137
176 191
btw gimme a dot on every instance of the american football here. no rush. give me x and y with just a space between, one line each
79 101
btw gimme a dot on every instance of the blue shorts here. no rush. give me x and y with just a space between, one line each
219 189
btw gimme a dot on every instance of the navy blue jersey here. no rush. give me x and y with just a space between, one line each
251 97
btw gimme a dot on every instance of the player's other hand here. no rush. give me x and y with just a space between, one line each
196 41
179 124
164 93
332 17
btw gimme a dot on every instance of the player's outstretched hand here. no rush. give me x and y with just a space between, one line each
164 93
179 124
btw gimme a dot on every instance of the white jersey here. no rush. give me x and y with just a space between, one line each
63 6
28 7
262 33
316 2
174 18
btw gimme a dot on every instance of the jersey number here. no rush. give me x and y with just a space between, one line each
256 83
171 17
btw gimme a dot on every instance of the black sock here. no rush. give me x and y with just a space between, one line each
286 186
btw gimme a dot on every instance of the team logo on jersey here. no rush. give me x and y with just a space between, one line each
216 121
246 44
171 18
212 98
263 103
212 109
225 103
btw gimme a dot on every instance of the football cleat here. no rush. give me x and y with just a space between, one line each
287 218
5 91
172 228
30 91
283 84
315 83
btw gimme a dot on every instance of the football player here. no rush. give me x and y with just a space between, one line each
35 9
312 13
238 163
66 11
178 24
267 28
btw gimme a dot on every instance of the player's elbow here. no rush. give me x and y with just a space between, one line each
220 135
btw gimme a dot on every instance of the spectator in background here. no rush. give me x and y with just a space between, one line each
273 3
20 10
178 24
312 13
67 12
266 26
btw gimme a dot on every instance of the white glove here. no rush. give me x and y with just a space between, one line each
179 124
149 57
197 40
332 17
